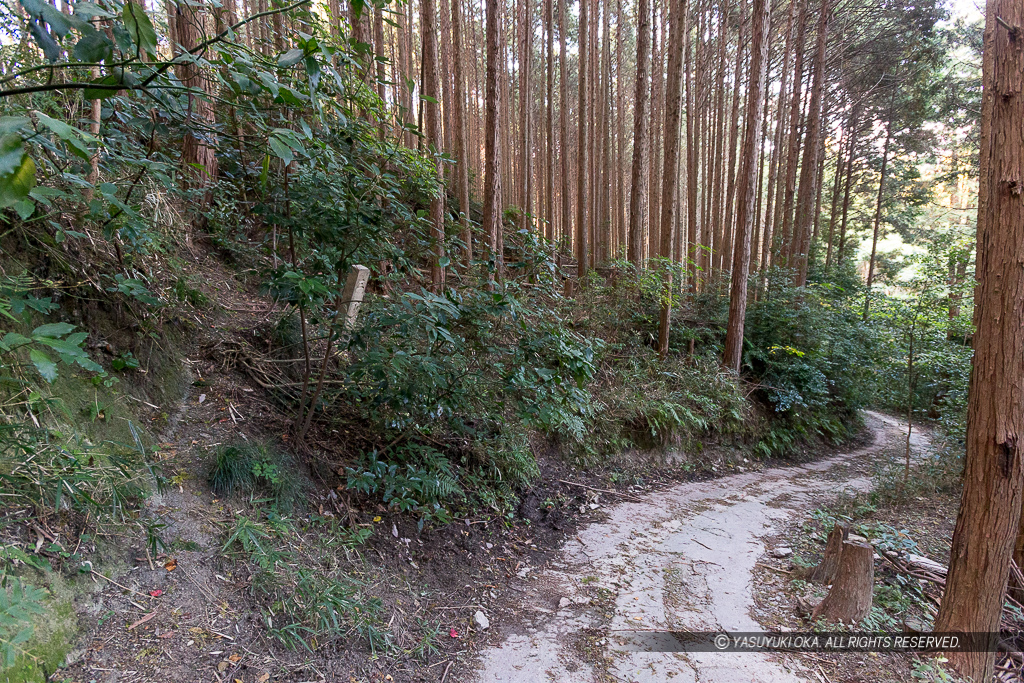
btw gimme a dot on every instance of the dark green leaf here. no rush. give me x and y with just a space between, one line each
44 364
72 136
25 208
53 330
103 93
291 58
139 27
283 151
12 150
45 41
15 186
62 346
93 46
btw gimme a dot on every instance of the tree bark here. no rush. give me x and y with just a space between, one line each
638 194
525 118
404 31
621 192
849 601
878 217
990 506
378 48
836 188
198 145
492 140
730 168
593 144
549 122
432 137
604 223
582 171
718 257
785 229
565 199
746 194
444 46
776 187
805 213
459 124
847 186
652 242
691 167
826 571
670 174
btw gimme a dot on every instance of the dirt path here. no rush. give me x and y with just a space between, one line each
682 560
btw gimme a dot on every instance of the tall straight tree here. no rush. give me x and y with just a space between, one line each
620 131
432 135
878 213
198 145
638 192
565 200
747 192
492 139
659 26
603 219
691 164
525 118
670 175
582 170
717 144
776 188
809 181
549 121
784 230
593 140
459 124
730 168
986 525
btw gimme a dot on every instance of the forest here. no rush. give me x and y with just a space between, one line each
345 341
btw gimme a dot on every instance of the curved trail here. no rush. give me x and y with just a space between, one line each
684 560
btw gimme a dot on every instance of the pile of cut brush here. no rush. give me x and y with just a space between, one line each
932 577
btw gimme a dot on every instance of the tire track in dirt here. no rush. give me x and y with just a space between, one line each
681 560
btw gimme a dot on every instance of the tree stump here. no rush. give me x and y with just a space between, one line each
826 571
849 600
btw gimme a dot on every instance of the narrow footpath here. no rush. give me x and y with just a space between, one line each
682 560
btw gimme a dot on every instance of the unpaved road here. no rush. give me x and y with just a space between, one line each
681 560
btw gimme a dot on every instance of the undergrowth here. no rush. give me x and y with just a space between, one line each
259 469
301 578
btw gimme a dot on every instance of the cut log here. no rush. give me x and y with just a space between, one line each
925 563
826 571
849 600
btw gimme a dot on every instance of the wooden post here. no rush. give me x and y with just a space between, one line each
347 310
352 296
849 600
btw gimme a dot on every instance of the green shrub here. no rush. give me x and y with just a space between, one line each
255 469
307 599
38 471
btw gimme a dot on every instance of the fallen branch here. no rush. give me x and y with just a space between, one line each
130 590
591 488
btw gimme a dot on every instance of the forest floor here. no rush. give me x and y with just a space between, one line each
191 613
584 554
697 557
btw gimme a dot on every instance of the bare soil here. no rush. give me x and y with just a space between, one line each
189 613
